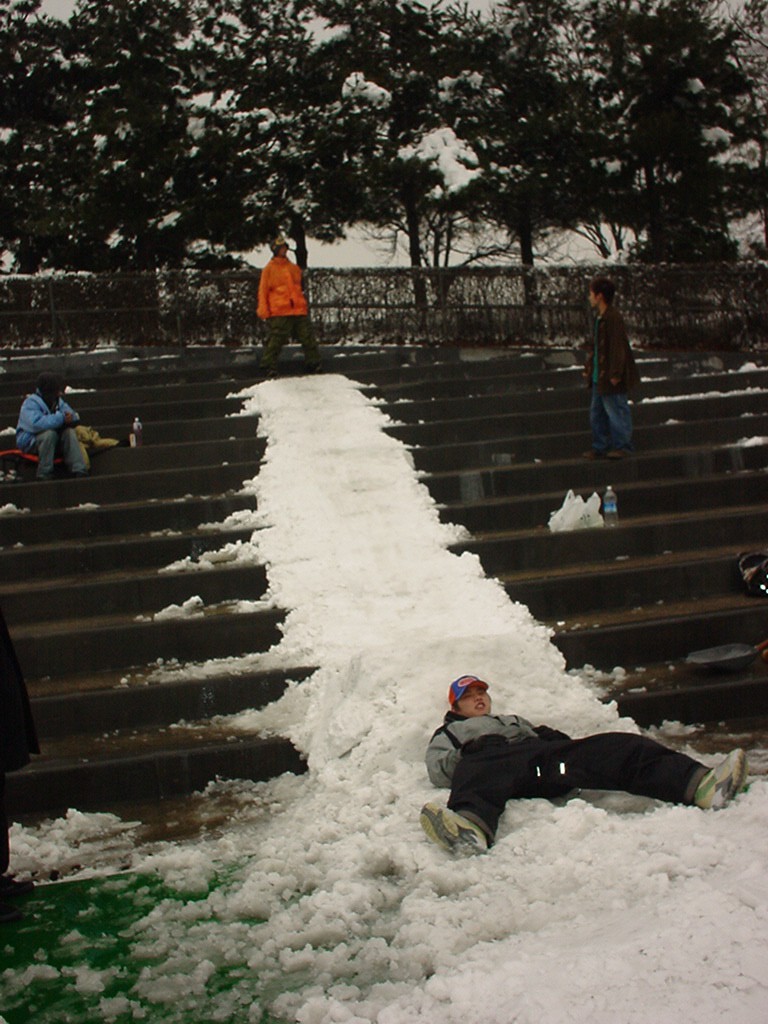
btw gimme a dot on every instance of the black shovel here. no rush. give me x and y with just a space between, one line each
727 657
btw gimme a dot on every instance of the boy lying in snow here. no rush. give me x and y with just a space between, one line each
488 759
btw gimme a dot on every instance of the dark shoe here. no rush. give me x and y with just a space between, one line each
9 913
618 453
313 367
593 454
10 887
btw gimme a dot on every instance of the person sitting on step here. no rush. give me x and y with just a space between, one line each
46 428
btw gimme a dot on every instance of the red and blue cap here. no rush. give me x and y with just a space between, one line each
460 686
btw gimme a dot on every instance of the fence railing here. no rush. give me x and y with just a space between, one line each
721 306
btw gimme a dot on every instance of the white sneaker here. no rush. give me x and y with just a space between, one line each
452 831
723 782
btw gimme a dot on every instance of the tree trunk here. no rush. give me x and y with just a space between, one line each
525 237
29 256
299 235
414 251
657 247
414 240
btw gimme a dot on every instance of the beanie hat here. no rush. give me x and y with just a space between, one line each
459 687
50 385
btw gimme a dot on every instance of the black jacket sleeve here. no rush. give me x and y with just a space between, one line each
550 735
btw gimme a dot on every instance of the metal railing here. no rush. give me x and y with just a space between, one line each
715 306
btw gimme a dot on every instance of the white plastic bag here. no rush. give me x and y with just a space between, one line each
576 514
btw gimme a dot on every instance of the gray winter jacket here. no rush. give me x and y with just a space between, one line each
444 748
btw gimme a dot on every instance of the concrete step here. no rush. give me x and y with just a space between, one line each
662 633
591 588
102 408
115 554
81 583
556 371
69 646
129 592
180 452
564 392
516 449
679 692
118 519
98 709
155 774
130 363
540 550
488 424
499 454
636 498
118 488
542 367
92 394
585 476
112 732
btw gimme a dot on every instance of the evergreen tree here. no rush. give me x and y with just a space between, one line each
748 165
390 57
520 103
281 120
130 126
34 135
666 85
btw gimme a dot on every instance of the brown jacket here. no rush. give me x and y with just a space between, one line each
614 356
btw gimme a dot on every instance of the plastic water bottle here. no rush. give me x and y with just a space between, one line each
136 431
610 507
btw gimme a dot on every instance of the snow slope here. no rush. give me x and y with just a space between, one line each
604 909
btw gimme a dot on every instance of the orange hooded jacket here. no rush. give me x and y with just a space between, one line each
280 291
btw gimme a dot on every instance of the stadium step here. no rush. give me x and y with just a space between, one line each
137 623
132 596
500 442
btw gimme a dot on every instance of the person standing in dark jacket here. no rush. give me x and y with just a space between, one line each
610 371
488 759
18 739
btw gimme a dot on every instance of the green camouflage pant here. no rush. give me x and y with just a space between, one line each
282 329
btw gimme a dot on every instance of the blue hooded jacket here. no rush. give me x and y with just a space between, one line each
35 417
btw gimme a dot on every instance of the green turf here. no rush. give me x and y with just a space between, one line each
70 931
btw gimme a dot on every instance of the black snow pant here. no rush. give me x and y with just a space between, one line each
495 770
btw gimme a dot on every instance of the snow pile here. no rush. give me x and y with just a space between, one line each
451 157
655 399
749 442
358 88
334 907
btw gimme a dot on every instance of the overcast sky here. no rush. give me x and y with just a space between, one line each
63 8
58 8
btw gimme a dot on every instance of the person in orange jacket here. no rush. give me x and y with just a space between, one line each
283 306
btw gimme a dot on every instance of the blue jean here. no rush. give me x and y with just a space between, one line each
611 420
49 443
